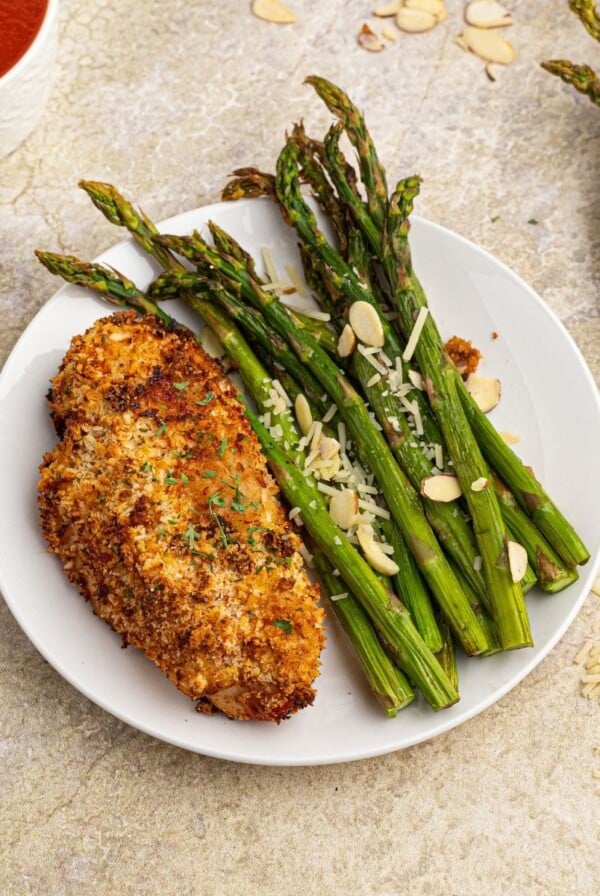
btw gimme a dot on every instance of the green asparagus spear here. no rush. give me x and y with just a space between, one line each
440 378
552 574
385 680
583 78
372 171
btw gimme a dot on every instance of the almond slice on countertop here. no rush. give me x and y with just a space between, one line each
343 508
485 391
347 342
366 324
303 413
388 9
480 484
435 8
442 487
487 14
373 554
368 40
517 560
273 11
414 21
488 45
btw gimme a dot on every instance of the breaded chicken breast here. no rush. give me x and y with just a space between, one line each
158 502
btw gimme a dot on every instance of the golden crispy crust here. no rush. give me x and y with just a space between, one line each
158 501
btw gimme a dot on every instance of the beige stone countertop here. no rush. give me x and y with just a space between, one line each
164 99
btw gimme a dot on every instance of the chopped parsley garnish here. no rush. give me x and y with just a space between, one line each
161 430
533 221
209 474
217 500
184 478
181 387
146 468
170 479
190 535
208 397
284 624
222 447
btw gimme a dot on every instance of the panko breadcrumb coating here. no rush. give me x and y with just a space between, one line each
158 501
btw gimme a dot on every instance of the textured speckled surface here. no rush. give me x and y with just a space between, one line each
164 98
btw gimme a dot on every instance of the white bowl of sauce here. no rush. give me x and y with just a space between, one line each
28 43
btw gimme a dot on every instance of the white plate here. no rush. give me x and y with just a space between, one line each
548 398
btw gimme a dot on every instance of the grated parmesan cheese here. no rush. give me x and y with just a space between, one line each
413 339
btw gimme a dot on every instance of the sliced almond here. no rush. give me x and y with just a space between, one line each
389 34
416 379
388 9
366 324
368 40
510 438
517 560
343 508
374 556
435 8
328 447
441 487
488 45
487 14
347 342
480 484
303 414
484 390
273 11
415 21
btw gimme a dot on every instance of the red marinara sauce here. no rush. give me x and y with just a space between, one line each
20 21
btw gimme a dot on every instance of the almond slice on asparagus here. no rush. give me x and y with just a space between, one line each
517 560
414 21
328 447
487 14
480 484
485 391
488 45
343 508
373 554
366 324
303 413
273 11
347 342
443 487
